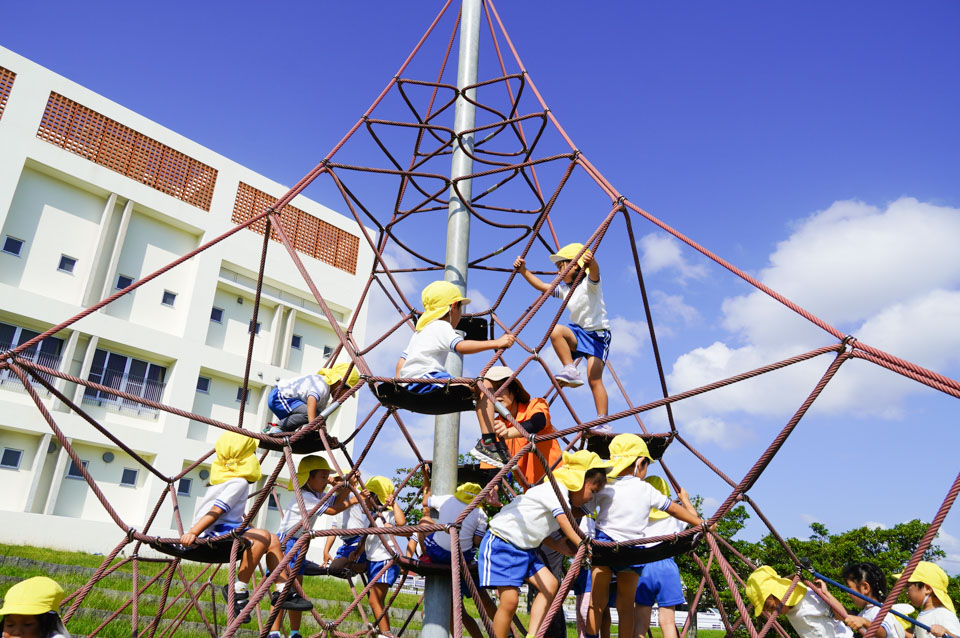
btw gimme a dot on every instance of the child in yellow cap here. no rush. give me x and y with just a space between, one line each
868 579
623 509
221 510
508 553
808 614
296 402
379 494
588 333
30 610
927 591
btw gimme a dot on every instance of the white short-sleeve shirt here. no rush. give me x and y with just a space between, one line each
528 519
230 496
586 306
301 388
374 546
428 349
292 515
663 526
624 506
937 616
813 618
449 508
351 518
890 624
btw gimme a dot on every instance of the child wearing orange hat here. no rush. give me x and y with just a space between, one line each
927 591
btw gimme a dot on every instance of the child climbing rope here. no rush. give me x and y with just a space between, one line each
588 333
808 614
381 500
350 555
927 591
30 609
298 401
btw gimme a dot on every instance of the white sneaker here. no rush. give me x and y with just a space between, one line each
569 376
604 429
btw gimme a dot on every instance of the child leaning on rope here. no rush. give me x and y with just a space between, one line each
808 614
296 402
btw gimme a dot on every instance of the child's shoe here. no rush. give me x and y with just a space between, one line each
272 428
604 429
294 601
240 601
492 453
569 376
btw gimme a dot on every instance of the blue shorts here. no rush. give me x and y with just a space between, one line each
591 343
660 583
427 388
219 529
389 577
503 564
602 536
440 556
349 546
280 406
288 544
582 584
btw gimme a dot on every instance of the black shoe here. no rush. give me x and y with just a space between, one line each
294 601
491 453
239 602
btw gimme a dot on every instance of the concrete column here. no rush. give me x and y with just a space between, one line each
111 273
85 367
291 325
277 330
90 288
37 469
61 469
66 357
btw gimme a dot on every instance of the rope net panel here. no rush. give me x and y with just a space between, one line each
390 171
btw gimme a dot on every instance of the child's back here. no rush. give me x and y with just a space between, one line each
231 497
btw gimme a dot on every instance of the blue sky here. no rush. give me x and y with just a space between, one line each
814 145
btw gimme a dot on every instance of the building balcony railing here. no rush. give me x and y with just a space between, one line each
10 381
130 384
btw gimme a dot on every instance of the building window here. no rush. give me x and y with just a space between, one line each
129 477
250 327
327 351
203 385
67 264
169 298
216 315
296 342
183 487
239 394
272 503
123 281
126 374
12 245
74 472
11 458
45 353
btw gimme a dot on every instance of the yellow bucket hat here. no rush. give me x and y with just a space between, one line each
624 450
236 458
574 466
930 574
466 492
334 374
306 465
381 486
567 253
437 298
32 597
664 488
765 582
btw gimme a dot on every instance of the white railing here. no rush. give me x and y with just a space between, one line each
10 381
129 384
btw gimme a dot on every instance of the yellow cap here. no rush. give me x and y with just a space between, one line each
567 253
437 298
664 488
32 597
334 374
574 466
765 582
624 450
381 486
466 492
308 464
236 458
930 574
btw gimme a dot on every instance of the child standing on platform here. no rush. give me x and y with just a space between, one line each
588 333
296 402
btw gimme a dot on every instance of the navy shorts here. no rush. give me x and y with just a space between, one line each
389 577
288 544
503 564
601 536
440 556
281 406
349 546
427 388
591 343
660 582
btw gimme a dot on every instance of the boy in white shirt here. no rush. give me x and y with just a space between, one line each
927 591
808 614
623 513
588 333
296 402
350 554
381 489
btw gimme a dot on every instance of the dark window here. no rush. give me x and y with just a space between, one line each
74 471
296 342
183 487
123 281
12 245
169 298
272 503
216 315
125 374
129 477
250 327
67 263
11 458
203 385
327 351
240 393
46 352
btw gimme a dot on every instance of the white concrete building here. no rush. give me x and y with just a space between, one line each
93 197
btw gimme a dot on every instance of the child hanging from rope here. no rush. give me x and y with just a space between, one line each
350 555
508 554
869 580
313 473
660 581
30 609
588 333
221 511
296 402
380 499
927 591
808 614
623 508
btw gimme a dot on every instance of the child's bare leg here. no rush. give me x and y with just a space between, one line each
595 367
564 343
583 608
626 591
605 625
278 621
641 620
509 599
485 409
261 541
668 622
546 584
378 593
599 597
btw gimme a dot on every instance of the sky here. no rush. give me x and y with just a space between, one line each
814 145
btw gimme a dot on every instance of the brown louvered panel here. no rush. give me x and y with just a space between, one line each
307 227
347 248
6 84
327 244
94 136
288 219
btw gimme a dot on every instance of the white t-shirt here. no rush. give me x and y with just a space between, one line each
890 623
529 518
351 518
428 349
662 527
301 388
230 496
813 618
624 506
937 616
449 508
292 516
374 546
586 306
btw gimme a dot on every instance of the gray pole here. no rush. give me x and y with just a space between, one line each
446 432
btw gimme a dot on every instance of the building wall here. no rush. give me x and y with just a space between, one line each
63 192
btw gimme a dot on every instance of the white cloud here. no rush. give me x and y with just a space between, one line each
478 301
712 430
950 544
629 338
672 309
663 252
874 525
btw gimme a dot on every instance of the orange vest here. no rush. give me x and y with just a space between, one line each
529 465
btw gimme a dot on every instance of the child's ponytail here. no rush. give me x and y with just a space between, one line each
870 574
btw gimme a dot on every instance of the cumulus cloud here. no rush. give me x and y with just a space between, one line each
672 309
659 252
629 338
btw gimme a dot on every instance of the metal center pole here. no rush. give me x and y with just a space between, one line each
446 434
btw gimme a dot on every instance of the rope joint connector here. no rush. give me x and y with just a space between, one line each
847 343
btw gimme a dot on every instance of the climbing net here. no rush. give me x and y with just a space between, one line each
517 180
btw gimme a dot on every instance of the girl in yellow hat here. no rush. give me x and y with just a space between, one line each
379 495
221 510
588 333
30 610
808 614
927 591
296 402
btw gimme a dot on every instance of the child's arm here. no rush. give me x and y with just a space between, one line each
680 511
521 265
398 515
567 528
593 268
472 347
399 366
205 521
327 546
341 502
850 620
532 425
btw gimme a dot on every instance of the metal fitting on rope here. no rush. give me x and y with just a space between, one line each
847 343
621 200
130 533
576 154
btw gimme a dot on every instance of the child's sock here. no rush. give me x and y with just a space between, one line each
240 588
586 635
489 438
281 586
295 633
275 634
